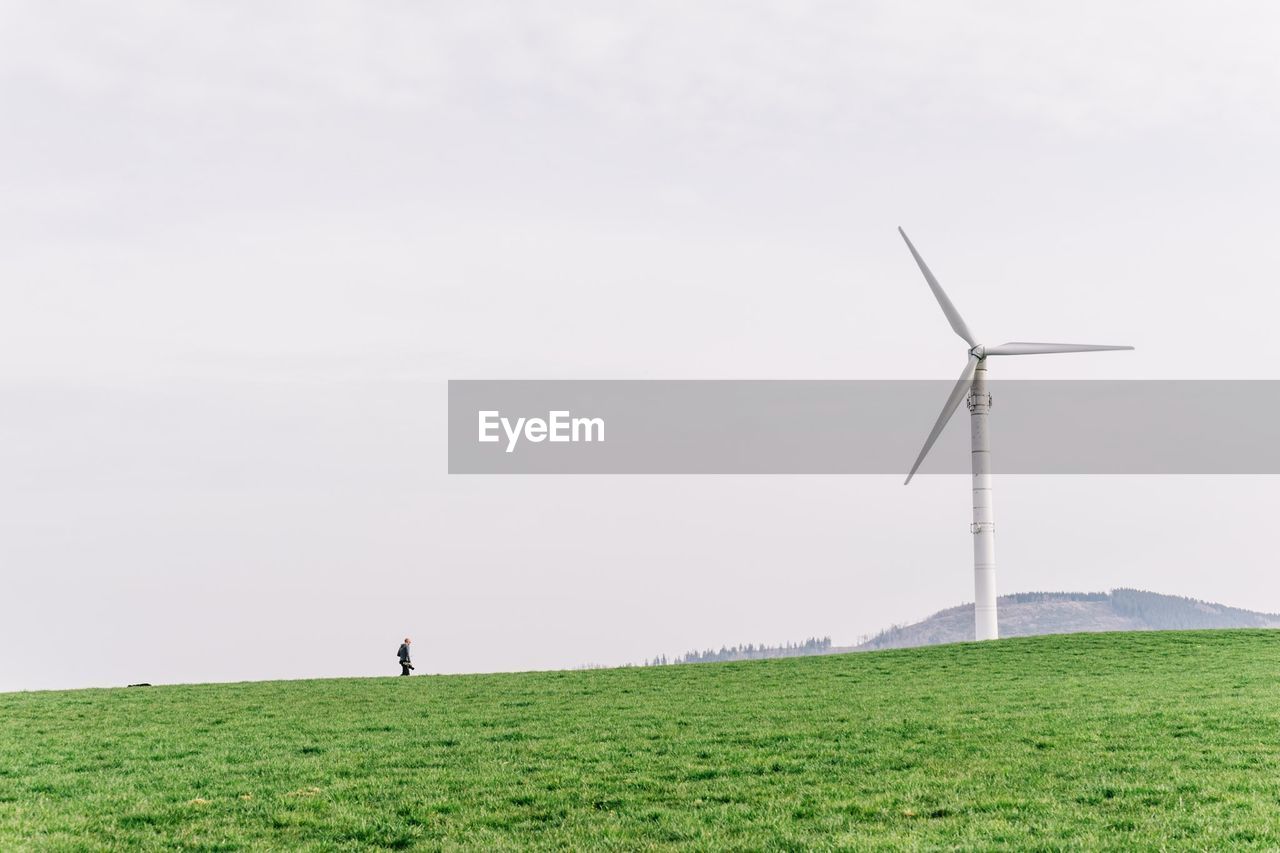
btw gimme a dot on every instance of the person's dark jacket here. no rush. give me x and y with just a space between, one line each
403 654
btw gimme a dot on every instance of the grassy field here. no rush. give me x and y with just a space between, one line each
1099 741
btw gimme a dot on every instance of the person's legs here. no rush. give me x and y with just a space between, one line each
404 669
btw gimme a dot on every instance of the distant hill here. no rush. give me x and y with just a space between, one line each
1031 613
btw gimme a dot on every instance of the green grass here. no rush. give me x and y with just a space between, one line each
1098 741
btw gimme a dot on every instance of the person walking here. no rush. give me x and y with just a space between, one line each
405 664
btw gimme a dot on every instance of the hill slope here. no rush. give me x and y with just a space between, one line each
1034 613
1093 740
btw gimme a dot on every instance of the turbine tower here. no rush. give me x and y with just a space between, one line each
973 384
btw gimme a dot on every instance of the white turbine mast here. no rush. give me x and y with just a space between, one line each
973 384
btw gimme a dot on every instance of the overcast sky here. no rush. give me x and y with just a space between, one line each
246 244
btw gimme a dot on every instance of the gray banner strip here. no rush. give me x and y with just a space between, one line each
858 427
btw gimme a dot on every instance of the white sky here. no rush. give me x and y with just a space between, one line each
245 245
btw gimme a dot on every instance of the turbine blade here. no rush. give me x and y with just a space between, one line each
948 409
1033 348
953 316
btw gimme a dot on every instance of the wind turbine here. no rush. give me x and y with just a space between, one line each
973 384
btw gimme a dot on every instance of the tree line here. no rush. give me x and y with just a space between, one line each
751 651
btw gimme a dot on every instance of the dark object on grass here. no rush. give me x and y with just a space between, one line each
403 654
141 684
